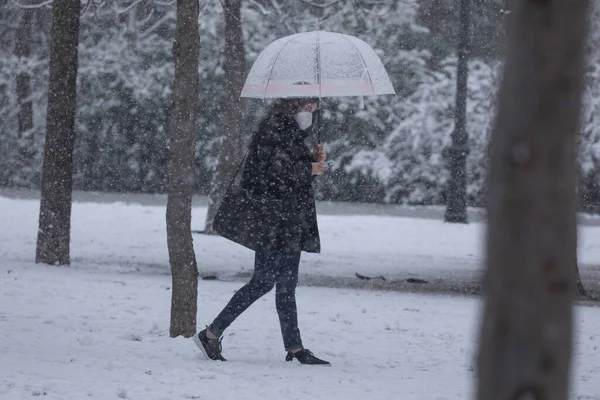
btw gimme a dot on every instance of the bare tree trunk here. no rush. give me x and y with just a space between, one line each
526 337
578 283
184 271
456 210
132 26
233 144
580 288
23 50
57 174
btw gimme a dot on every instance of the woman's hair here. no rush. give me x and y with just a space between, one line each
287 106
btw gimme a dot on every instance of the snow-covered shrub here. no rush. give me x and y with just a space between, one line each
410 162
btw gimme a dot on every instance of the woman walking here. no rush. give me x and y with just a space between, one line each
274 214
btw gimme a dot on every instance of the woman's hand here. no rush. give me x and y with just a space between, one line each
318 168
319 153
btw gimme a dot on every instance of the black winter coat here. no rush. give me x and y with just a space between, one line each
273 204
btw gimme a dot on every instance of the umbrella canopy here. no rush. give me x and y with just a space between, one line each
317 64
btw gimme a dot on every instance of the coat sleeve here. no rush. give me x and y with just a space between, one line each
282 169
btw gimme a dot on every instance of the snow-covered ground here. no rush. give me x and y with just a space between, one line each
72 333
99 328
131 237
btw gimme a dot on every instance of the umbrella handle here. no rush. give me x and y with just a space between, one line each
319 123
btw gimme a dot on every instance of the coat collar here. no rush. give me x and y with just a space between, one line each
290 125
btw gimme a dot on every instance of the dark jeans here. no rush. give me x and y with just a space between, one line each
278 267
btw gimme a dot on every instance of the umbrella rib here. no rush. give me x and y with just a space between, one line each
363 60
273 66
318 64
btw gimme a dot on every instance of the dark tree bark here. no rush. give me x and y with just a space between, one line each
23 50
526 335
578 283
456 210
57 174
184 271
232 146
434 15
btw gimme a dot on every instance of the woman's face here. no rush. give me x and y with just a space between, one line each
309 107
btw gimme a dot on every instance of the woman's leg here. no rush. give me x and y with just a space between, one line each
285 300
266 273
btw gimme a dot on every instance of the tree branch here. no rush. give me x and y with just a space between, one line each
310 3
8 25
129 7
165 3
260 7
157 24
44 3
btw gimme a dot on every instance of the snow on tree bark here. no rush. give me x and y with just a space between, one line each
526 332
184 271
57 175
232 145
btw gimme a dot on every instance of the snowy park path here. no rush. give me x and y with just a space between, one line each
131 237
69 333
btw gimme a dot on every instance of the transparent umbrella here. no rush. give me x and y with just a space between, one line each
317 64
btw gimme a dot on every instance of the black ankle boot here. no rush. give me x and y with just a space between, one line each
211 348
306 357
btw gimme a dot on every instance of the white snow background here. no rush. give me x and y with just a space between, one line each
99 328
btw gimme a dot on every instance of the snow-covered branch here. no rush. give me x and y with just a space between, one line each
32 4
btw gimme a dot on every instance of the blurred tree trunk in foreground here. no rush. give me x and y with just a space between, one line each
526 336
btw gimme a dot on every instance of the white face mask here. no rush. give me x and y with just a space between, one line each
304 119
